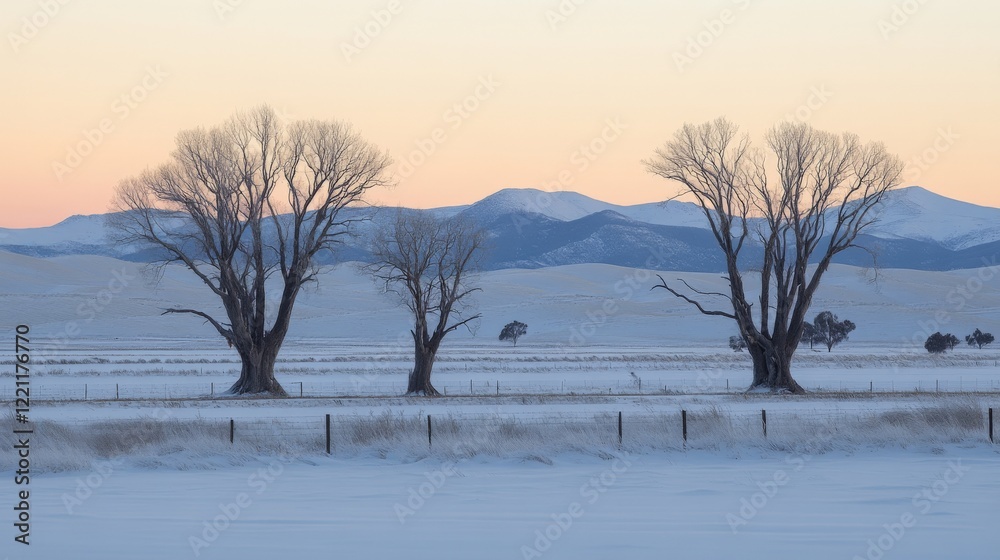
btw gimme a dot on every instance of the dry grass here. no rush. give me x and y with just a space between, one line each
187 444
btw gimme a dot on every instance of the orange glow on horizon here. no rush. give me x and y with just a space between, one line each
472 97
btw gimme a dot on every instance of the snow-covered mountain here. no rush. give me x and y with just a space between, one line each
73 236
919 214
532 229
566 206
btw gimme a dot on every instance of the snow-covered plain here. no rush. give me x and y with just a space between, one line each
915 504
96 324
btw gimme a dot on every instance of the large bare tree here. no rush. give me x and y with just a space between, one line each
247 206
820 195
429 263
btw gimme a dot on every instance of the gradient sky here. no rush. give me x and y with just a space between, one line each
922 76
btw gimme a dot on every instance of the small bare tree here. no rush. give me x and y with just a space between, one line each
821 196
249 203
428 262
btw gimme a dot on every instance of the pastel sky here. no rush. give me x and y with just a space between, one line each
550 94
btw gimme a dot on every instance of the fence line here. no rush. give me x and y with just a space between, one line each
62 391
326 432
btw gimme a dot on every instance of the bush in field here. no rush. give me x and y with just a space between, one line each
952 341
737 343
979 339
513 331
938 343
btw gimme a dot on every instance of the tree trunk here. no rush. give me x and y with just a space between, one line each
420 377
257 374
773 370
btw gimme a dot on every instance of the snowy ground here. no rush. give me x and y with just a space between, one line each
122 493
916 504
132 368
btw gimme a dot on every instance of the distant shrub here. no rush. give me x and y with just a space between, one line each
737 343
513 331
979 339
938 343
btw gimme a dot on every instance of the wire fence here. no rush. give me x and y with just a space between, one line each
138 390
476 432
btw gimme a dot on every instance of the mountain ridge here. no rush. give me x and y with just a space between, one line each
530 228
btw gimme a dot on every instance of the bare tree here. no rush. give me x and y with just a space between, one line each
428 262
820 197
249 204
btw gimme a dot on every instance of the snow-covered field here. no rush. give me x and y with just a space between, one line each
132 455
912 504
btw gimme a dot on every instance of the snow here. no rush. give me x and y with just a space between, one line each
567 206
97 321
575 306
86 230
917 213
633 506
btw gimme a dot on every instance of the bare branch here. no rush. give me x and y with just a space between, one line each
663 284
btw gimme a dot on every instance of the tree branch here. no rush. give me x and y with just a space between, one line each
663 284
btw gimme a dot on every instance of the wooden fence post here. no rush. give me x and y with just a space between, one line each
232 430
429 444
327 434
763 420
84 391
684 424
991 425
116 391
213 389
619 429
300 389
